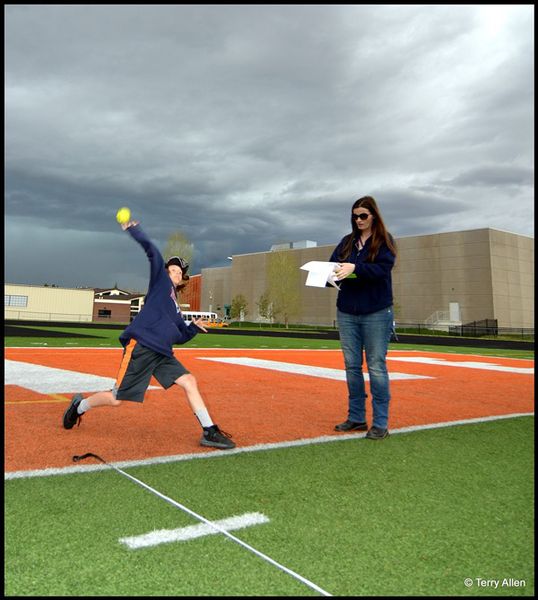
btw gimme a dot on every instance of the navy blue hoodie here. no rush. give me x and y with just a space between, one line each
372 289
158 325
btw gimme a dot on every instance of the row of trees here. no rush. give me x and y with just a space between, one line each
281 299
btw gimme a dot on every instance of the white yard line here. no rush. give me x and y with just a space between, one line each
159 460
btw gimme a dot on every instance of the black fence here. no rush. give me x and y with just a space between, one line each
474 329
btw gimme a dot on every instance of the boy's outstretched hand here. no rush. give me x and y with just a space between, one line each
199 324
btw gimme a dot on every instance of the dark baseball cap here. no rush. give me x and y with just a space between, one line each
180 262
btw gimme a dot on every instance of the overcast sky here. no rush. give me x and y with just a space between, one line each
245 126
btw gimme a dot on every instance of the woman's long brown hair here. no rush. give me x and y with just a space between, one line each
379 231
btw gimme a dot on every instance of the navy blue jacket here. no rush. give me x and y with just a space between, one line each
372 289
158 325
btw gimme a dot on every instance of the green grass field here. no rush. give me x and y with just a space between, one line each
108 338
415 515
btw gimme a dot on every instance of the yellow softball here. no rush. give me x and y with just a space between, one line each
123 215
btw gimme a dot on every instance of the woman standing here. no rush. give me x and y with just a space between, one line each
364 314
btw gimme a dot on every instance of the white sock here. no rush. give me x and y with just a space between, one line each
203 416
83 406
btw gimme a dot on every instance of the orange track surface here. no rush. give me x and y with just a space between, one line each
254 405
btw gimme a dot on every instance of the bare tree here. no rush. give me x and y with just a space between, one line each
178 244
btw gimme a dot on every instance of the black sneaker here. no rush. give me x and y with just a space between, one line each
71 415
376 433
216 438
351 426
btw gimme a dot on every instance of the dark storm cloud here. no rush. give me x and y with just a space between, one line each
244 126
497 176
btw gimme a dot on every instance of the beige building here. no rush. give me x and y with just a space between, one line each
487 272
218 291
44 303
456 277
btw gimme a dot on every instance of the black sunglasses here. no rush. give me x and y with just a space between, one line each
361 216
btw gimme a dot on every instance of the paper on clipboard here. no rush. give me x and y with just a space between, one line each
320 273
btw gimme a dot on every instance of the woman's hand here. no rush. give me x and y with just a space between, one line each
199 324
343 270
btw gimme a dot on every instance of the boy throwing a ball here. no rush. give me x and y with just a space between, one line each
148 342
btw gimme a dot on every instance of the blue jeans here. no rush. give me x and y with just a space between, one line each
372 333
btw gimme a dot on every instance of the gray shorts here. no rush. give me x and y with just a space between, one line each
137 367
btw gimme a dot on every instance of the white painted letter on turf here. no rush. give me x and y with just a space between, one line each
297 369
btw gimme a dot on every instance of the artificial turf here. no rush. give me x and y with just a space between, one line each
108 338
415 514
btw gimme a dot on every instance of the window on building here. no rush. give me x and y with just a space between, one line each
104 313
21 301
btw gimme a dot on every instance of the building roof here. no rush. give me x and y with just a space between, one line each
107 293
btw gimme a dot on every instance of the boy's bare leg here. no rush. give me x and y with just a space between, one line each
212 436
102 399
188 383
80 405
